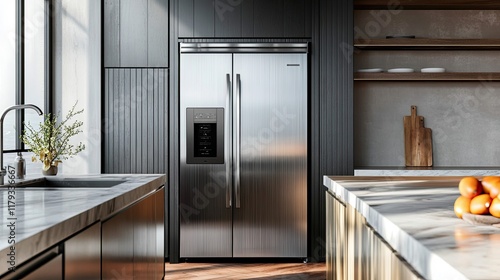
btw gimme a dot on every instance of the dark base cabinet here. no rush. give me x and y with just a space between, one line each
128 245
132 241
355 251
47 266
82 255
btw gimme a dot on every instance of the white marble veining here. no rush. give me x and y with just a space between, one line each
427 171
415 216
45 217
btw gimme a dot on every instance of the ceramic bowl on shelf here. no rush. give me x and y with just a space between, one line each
433 70
401 70
370 70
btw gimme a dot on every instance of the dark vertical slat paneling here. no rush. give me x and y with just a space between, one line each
327 92
294 23
173 128
135 116
133 33
161 120
133 120
334 155
247 20
111 118
203 18
268 18
185 18
125 108
138 133
156 117
308 18
157 33
228 18
121 121
315 250
106 131
112 31
116 137
144 120
150 121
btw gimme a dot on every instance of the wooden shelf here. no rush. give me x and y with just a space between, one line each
428 44
417 76
428 4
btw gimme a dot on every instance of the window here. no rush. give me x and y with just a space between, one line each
24 66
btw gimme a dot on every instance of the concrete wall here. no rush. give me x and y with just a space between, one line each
77 65
464 116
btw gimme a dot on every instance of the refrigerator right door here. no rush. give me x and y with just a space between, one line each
270 137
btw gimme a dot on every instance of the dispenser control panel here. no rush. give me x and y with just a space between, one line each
205 135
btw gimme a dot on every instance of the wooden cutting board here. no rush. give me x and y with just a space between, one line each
418 140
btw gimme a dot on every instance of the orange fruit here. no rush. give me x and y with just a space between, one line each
470 187
495 207
491 185
480 204
462 205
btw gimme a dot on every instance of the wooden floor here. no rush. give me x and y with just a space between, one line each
204 271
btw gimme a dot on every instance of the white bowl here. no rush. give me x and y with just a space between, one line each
432 70
401 70
370 70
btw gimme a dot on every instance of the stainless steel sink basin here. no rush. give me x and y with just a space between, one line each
72 183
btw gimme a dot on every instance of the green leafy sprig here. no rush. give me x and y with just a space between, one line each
50 143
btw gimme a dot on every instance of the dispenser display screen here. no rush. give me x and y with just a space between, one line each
205 135
205 139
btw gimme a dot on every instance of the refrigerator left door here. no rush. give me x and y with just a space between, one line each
205 190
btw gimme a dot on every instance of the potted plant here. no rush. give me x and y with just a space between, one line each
50 143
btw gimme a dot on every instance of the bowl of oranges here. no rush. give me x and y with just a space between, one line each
479 200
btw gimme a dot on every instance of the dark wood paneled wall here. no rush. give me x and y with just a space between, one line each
136 33
173 131
331 107
244 18
135 120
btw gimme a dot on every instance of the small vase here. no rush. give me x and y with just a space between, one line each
52 171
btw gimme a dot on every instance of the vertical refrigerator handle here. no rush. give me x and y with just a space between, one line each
229 187
236 139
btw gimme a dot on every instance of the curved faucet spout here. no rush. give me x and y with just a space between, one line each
3 172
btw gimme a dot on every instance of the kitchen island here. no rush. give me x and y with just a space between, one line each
404 228
46 225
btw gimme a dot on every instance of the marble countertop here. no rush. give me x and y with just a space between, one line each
415 216
44 217
426 171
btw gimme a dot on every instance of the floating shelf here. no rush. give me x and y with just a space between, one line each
417 76
428 4
428 44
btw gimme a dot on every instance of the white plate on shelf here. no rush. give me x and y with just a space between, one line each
401 70
432 70
370 70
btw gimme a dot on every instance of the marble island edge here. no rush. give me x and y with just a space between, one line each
414 215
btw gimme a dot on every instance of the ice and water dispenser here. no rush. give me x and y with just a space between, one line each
205 135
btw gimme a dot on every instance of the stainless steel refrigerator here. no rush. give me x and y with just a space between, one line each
243 150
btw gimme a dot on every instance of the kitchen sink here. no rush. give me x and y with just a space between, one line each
71 183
